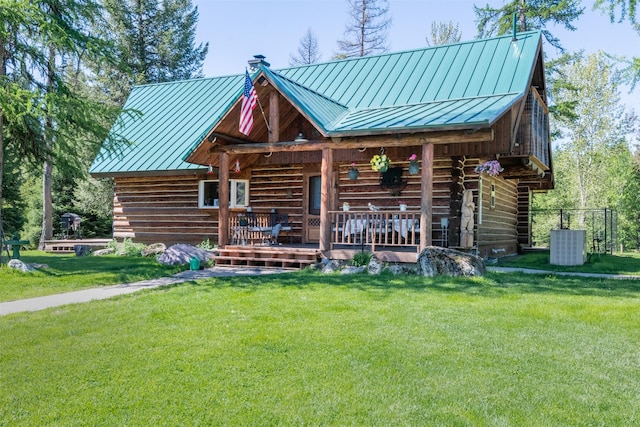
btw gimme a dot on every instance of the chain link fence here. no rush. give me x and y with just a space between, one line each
600 224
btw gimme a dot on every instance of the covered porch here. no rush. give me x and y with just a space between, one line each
392 235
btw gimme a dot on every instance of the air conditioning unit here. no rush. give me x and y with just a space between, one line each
568 247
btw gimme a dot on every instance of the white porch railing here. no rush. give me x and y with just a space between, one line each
375 229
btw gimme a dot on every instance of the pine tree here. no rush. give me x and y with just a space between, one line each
530 15
155 42
366 31
308 51
626 9
42 114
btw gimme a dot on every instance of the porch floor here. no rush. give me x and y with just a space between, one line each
66 246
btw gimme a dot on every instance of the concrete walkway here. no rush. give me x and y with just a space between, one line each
41 303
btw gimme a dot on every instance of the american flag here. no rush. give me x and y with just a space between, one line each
249 99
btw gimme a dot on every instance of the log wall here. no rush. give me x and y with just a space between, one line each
161 209
165 208
497 234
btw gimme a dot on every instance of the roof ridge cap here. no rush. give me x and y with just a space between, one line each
417 49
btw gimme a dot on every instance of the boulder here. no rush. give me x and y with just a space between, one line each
105 251
434 261
39 266
331 266
82 250
353 269
374 266
16 264
396 269
181 254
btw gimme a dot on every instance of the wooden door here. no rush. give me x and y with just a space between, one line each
311 211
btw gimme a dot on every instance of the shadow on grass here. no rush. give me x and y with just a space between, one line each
492 284
122 267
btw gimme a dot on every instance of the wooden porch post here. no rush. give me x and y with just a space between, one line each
325 200
223 195
426 206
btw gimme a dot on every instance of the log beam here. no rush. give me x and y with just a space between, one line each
483 135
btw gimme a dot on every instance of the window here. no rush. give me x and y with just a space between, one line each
315 189
238 194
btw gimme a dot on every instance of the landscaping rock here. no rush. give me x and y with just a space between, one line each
353 270
16 264
434 261
333 265
396 269
39 266
154 249
181 254
105 251
374 266
82 250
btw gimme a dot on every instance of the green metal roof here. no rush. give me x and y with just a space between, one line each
463 85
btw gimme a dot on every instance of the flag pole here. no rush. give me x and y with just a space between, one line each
263 115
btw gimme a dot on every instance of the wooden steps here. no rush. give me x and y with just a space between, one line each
267 256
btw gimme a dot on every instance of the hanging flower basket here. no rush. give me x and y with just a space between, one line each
380 163
491 168
414 167
353 172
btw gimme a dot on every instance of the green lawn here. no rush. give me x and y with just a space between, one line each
312 349
625 263
68 272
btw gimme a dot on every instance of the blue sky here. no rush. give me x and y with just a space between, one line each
238 29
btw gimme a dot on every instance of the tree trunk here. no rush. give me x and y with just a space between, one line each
522 15
47 176
3 72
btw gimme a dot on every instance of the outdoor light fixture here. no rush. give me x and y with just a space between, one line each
300 138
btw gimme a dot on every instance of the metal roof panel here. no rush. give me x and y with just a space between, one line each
463 84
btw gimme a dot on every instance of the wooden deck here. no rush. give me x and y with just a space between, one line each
267 256
66 246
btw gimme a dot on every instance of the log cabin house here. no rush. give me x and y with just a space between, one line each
190 174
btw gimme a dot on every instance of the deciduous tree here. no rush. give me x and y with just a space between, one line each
444 33
593 160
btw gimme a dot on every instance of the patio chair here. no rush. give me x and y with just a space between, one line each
283 221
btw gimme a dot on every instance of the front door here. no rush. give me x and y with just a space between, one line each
311 218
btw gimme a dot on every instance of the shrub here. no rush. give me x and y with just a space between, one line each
361 259
127 247
206 245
